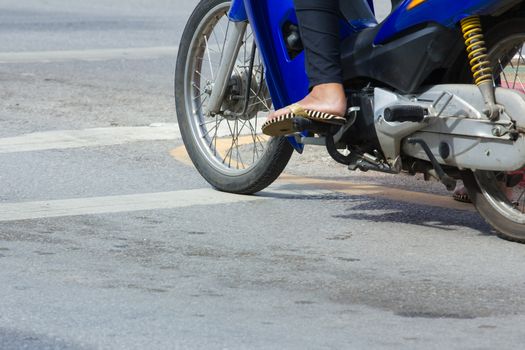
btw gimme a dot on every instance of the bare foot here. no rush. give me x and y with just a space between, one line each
328 98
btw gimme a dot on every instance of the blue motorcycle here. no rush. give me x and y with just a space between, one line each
436 88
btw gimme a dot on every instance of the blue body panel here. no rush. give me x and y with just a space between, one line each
445 12
237 11
286 78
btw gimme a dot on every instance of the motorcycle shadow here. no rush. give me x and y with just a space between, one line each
376 209
380 210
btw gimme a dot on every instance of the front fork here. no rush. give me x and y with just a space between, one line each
229 56
239 21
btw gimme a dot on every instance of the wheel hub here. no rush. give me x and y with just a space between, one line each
235 98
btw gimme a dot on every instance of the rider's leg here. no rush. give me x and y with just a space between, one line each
319 27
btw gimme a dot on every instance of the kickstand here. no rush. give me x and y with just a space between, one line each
446 180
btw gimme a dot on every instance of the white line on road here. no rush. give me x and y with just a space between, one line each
139 202
63 139
117 204
88 55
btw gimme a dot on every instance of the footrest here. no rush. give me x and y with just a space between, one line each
408 113
304 124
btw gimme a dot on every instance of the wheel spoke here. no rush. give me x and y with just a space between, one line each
503 73
199 107
209 58
517 71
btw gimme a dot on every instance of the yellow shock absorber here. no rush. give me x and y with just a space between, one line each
476 49
479 63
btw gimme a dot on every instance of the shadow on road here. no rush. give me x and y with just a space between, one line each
382 210
387 211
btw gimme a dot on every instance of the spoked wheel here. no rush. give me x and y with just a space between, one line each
500 197
227 148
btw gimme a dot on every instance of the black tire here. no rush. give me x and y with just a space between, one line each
505 227
278 150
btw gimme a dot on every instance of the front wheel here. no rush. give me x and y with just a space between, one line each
227 148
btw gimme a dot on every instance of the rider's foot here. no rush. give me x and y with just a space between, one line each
461 195
328 98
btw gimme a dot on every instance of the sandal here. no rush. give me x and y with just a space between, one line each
461 196
283 124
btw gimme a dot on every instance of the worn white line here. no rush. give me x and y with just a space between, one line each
140 202
63 139
117 204
88 55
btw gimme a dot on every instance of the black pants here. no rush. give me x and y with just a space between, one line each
319 27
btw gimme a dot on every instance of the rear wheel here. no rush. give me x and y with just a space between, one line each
500 197
228 148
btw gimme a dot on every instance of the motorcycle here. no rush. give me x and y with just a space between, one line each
435 88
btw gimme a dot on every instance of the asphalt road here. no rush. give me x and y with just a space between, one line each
108 241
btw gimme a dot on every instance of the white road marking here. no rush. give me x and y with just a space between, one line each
88 55
140 202
286 191
117 204
63 139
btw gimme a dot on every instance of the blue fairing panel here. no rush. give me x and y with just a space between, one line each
286 78
445 12
237 11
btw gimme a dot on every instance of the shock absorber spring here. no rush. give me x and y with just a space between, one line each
476 49
479 62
